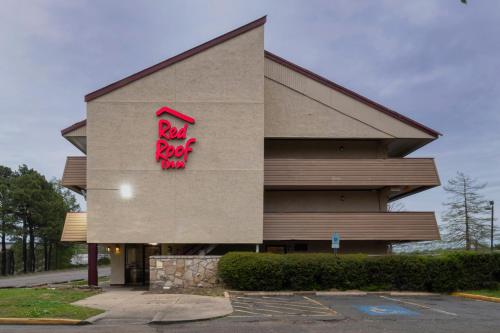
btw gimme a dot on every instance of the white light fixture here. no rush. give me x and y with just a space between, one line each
126 191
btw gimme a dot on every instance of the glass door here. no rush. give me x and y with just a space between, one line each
137 262
134 264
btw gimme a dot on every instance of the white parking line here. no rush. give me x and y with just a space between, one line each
273 300
420 306
321 304
255 313
249 308
301 305
276 298
303 308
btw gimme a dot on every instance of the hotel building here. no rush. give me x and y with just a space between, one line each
230 147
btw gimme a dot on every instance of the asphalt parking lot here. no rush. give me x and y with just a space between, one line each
373 312
247 307
347 314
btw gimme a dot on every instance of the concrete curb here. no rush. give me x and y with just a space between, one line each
327 293
477 297
95 318
41 321
157 321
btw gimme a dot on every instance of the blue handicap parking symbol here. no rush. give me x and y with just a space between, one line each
386 310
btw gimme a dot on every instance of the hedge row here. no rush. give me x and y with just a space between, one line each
266 271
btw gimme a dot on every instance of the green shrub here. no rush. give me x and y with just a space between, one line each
315 271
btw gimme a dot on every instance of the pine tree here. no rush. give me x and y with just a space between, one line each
6 213
466 220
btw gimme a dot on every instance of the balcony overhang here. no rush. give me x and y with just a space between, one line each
75 174
403 176
393 226
77 135
75 228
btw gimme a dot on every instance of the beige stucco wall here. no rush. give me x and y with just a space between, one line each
321 201
218 198
297 106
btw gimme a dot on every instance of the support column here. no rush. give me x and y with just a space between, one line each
92 264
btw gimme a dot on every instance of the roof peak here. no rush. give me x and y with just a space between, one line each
170 61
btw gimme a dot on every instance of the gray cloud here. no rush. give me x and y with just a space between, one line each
435 61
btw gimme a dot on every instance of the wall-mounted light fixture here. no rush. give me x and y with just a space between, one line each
117 249
126 191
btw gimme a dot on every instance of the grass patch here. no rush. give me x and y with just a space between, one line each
45 303
84 282
485 292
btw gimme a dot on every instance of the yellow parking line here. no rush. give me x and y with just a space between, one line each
290 306
301 304
321 304
419 305
477 297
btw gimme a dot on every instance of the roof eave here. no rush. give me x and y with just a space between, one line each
73 127
351 94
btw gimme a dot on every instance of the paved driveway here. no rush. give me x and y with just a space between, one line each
36 279
126 304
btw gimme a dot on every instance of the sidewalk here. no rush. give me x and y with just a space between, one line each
125 303
42 278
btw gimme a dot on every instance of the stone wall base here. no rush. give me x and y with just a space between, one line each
169 272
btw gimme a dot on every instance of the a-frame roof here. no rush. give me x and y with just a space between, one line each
234 33
350 93
184 55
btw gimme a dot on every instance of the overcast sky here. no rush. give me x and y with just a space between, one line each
437 62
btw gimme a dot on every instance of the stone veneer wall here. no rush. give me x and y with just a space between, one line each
168 272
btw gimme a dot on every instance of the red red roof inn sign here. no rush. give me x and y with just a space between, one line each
168 153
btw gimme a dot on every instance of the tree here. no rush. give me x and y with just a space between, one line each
59 201
6 218
29 193
465 218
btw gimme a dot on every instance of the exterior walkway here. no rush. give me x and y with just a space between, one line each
123 303
42 278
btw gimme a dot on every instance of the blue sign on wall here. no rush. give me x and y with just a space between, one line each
386 310
335 240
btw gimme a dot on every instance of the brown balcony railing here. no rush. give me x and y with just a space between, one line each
405 174
395 226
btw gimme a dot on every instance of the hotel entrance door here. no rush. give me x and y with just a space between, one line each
137 262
